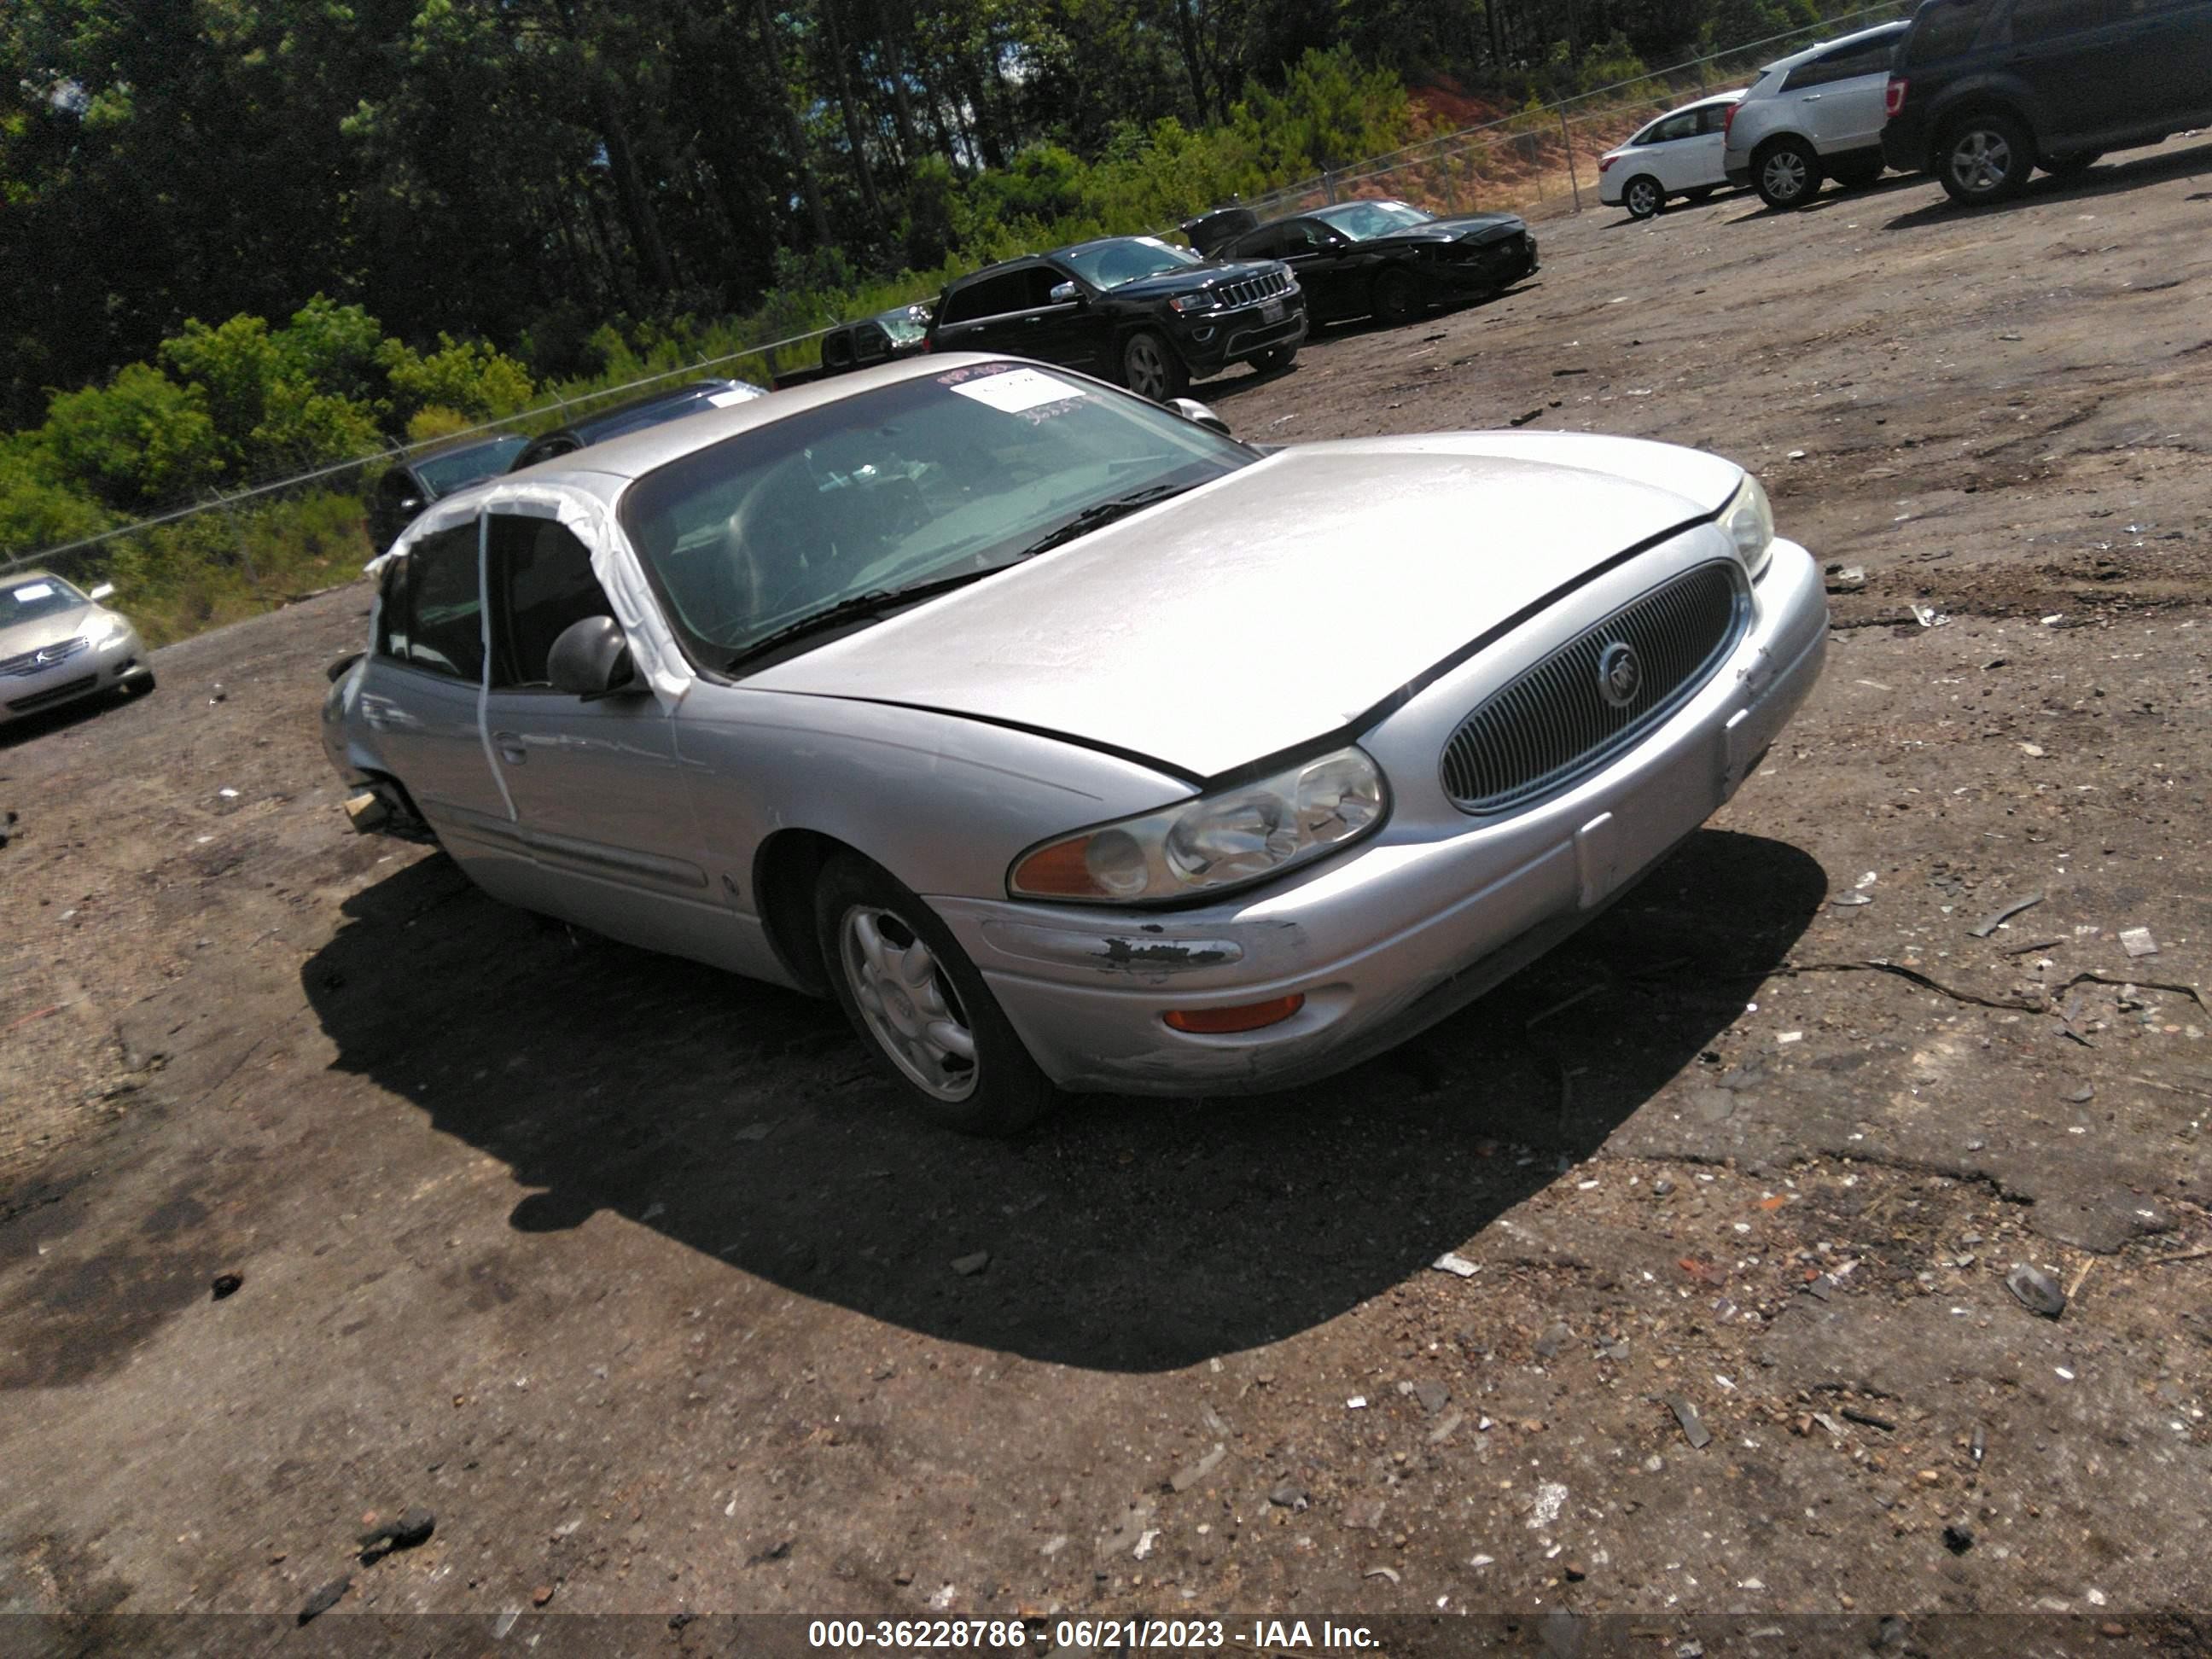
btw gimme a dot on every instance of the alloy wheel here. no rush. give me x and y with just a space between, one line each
907 1003
1784 175
1147 368
1981 160
1643 199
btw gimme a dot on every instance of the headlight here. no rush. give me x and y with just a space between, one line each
1205 300
106 628
1214 844
1749 521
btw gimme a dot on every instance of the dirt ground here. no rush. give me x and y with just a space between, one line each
634 1275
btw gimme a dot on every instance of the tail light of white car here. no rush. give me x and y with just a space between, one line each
1605 163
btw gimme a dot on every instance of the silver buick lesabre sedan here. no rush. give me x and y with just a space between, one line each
1066 742
58 644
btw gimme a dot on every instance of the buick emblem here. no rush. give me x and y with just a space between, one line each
1619 674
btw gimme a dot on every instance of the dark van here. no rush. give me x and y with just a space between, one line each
1982 92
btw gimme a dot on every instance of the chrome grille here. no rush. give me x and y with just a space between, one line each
45 657
1552 724
1250 290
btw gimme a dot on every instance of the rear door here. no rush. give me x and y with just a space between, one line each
2169 42
421 697
598 801
1664 153
1845 93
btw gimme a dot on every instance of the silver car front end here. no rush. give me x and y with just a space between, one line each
1442 903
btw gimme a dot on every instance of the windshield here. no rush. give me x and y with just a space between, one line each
905 325
939 477
443 474
1364 221
1127 259
41 596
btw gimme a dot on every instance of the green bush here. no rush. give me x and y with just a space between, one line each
140 443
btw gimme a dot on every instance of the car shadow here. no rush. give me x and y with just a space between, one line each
1831 196
750 1125
45 722
2152 166
1722 196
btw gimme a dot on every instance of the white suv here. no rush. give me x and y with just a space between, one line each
1816 115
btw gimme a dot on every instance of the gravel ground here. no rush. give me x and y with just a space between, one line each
635 1277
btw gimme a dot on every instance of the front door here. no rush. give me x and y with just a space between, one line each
421 697
2168 44
2072 56
598 801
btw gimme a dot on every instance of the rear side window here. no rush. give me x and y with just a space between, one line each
1869 57
2051 20
433 613
1945 29
1265 243
1684 125
993 296
541 582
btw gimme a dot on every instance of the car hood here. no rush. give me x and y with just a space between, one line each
1476 229
1279 605
46 630
1189 279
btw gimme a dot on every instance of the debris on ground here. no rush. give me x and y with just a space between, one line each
969 1266
1452 1262
1693 1428
414 1527
1433 1397
324 1599
1846 577
2138 942
1288 1495
2036 1290
1992 923
225 1285
1191 1473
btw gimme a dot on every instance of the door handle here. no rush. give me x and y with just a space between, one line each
510 748
1812 98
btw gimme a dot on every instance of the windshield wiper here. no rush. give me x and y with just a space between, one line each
852 607
1094 518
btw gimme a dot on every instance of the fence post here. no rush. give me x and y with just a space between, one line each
1567 137
1328 187
237 533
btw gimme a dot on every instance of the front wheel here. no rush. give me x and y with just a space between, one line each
1642 197
1787 175
914 998
1275 359
1396 300
1986 159
1150 368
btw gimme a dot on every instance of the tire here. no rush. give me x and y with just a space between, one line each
1859 175
1275 359
1787 175
1985 159
1643 196
918 1013
1393 298
1150 368
2072 165
138 686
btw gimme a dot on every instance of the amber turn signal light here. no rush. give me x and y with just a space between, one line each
1221 1022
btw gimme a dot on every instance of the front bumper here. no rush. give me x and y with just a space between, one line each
1211 342
86 673
1387 939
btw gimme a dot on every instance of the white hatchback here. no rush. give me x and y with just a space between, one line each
1680 153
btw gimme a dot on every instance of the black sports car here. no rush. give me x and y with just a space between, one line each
1128 308
1389 260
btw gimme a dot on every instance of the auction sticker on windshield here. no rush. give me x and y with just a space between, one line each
1019 389
30 590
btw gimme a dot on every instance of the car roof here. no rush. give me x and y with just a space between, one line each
1825 46
605 469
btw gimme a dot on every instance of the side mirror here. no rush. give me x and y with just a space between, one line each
1064 293
1196 412
337 669
591 659
105 590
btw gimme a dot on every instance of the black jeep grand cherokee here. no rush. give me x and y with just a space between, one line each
1985 91
1128 308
